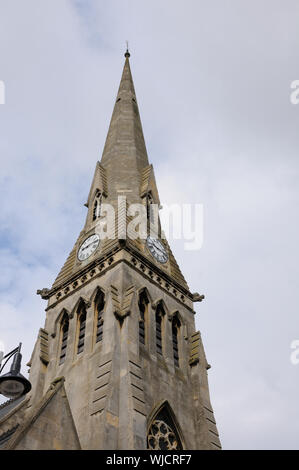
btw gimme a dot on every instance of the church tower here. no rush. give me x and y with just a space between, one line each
119 363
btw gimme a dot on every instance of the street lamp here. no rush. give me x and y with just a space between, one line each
14 384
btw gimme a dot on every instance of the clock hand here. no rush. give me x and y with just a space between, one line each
159 247
159 253
87 246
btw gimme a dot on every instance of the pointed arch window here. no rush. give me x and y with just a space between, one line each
150 208
81 327
99 304
96 211
159 317
143 306
163 433
64 337
175 337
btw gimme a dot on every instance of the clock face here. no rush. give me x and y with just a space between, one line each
88 247
157 249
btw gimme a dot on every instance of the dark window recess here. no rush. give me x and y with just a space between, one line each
99 334
159 330
175 332
64 331
94 212
142 307
142 303
141 332
99 307
82 323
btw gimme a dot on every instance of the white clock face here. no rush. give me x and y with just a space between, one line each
88 247
157 249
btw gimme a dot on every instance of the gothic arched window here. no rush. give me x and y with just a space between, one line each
81 326
159 317
163 433
96 212
149 209
175 334
99 304
64 336
143 305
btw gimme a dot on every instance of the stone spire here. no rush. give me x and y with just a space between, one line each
118 364
125 155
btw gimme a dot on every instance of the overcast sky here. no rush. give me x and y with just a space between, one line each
213 85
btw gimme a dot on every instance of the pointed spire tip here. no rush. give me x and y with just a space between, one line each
127 53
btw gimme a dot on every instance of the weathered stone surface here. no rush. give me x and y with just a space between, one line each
48 425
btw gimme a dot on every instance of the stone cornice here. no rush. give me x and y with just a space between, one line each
135 260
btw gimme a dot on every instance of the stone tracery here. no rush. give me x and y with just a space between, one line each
162 437
162 434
